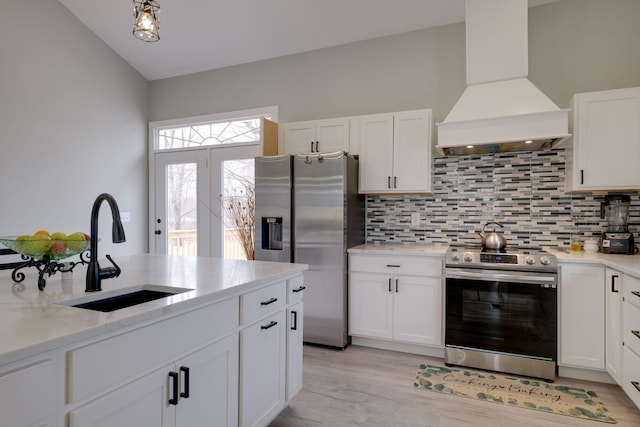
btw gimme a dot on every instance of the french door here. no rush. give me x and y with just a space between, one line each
182 203
191 191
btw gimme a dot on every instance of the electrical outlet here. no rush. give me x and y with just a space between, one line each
415 219
125 216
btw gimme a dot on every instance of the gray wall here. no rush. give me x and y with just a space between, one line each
575 46
73 124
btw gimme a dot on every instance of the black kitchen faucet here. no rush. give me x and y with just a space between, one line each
95 274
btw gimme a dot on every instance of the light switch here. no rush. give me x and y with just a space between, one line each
125 216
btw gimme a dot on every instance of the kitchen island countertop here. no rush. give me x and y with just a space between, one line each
32 321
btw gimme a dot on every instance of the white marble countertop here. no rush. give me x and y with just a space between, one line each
32 322
415 249
627 264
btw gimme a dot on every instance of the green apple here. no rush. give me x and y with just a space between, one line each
37 245
76 241
58 236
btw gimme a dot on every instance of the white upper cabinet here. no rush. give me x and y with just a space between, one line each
605 151
320 136
395 152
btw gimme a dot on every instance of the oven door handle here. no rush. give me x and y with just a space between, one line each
492 277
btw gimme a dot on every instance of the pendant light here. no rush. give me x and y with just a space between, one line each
145 25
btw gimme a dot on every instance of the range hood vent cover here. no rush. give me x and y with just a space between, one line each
500 110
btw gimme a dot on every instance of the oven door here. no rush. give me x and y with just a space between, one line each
501 311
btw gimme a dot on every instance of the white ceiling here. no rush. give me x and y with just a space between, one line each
199 35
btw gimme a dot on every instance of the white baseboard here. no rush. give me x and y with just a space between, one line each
437 352
584 374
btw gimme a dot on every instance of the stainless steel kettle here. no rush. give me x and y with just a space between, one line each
493 240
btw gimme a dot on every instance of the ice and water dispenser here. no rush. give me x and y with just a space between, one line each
272 233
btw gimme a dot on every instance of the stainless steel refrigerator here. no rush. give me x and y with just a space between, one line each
308 211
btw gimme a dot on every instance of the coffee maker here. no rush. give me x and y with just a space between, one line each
616 239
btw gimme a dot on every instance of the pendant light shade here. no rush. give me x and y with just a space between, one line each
145 25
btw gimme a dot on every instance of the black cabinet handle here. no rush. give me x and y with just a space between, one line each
396 285
185 393
312 146
271 301
317 150
636 384
173 377
636 293
270 325
389 182
393 265
581 176
390 284
294 320
300 289
636 333
613 283
395 182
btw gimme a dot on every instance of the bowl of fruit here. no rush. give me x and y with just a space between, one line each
42 244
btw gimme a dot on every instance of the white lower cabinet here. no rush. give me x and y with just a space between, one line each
582 308
142 403
262 370
614 281
29 386
396 298
295 327
631 337
200 389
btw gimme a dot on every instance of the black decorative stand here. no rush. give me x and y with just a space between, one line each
46 266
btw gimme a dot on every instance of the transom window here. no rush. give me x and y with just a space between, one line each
225 132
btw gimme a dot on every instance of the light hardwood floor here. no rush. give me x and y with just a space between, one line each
369 387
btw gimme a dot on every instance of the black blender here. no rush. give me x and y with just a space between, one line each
616 239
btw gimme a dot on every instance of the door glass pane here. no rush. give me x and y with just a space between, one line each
238 208
182 215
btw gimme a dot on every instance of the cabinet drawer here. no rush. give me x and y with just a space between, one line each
631 290
631 375
631 326
98 366
295 289
262 302
386 264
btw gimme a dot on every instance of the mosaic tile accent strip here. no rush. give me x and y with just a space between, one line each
525 191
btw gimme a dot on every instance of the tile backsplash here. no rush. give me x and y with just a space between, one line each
525 191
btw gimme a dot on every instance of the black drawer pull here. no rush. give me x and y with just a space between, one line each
294 320
636 333
300 289
185 393
636 384
270 325
636 293
393 265
613 283
390 284
271 301
396 285
173 376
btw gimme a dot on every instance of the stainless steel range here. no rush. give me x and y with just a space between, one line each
501 310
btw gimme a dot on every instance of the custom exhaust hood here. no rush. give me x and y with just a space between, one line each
500 110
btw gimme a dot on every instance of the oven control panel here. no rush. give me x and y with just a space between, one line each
510 259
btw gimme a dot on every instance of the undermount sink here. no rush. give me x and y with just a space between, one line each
124 298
